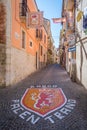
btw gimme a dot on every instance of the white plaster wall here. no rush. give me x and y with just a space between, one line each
81 64
81 51
67 61
84 66
78 61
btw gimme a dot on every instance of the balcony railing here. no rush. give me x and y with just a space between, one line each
23 10
39 34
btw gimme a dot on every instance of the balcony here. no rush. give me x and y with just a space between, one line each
23 10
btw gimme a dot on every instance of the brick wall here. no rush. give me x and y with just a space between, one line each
2 24
2 44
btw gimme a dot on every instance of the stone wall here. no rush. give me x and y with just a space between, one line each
2 64
2 23
8 41
22 65
2 44
5 42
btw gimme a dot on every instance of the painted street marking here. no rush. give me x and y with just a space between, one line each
50 104
43 101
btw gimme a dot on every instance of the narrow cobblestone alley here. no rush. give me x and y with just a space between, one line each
46 100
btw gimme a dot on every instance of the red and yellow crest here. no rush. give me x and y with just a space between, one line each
43 101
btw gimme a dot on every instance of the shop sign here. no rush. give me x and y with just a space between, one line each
85 20
34 19
79 16
59 20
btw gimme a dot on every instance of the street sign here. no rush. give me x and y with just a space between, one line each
72 49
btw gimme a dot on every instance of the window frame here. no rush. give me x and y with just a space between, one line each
30 45
44 38
23 45
41 50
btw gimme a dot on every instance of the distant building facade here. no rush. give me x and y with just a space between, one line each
50 47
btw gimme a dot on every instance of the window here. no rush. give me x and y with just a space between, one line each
44 38
44 57
31 44
23 8
41 34
37 33
41 50
24 1
23 39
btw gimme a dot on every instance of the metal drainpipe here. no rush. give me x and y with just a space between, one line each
74 20
74 79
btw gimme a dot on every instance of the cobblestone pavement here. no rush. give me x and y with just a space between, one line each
72 115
